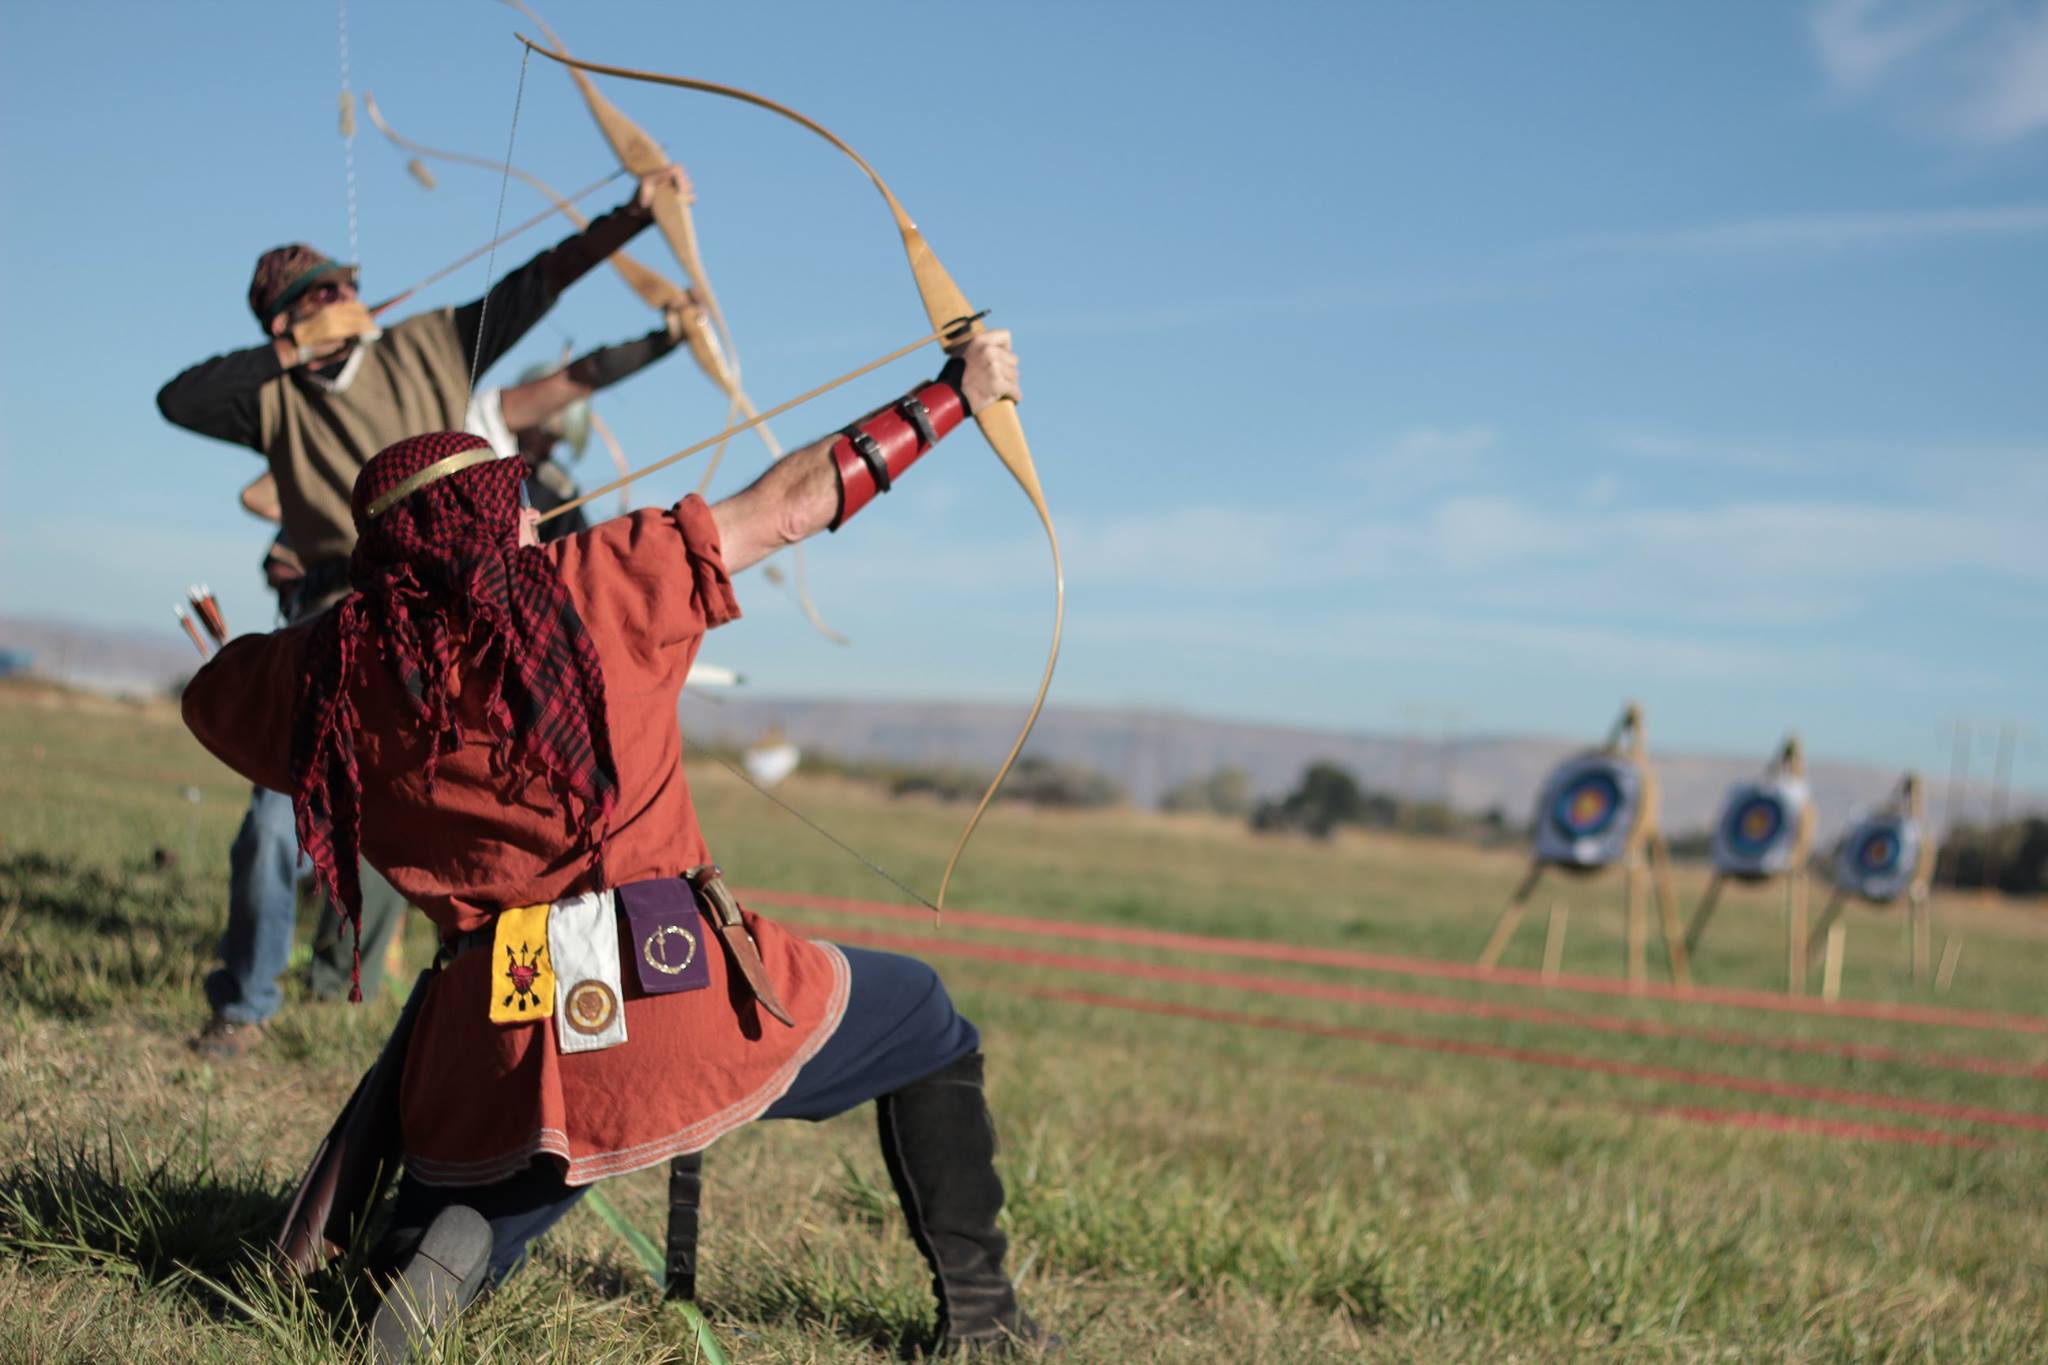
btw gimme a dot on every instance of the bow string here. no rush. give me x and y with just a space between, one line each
945 305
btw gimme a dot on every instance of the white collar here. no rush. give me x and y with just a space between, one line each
346 375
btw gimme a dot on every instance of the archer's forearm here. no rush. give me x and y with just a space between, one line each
825 483
217 397
493 325
795 499
607 365
534 402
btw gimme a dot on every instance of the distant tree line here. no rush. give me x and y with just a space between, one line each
1034 780
1328 798
2011 857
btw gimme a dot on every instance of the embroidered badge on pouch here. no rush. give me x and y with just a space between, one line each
522 969
583 939
668 936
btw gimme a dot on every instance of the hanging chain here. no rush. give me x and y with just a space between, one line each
348 137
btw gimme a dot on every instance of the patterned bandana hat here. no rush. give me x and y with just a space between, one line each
441 583
283 273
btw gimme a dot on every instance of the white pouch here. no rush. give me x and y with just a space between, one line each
583 942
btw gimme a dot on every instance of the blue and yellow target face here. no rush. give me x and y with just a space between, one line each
1754 825
1878 852
1878 858
1588 812
1759 832
1585 807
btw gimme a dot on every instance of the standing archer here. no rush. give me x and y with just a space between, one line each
326 391
331 388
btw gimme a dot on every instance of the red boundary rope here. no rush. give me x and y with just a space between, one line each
1755 1119
1267 985
1176 941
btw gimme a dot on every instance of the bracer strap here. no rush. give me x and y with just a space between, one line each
872 454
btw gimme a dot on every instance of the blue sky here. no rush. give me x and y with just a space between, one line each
1471 365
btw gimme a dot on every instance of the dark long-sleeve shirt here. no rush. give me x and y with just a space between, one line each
413 379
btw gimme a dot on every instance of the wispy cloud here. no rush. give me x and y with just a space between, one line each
1423 459
1535 647
1721 562
1831 231
2014 100
1860 42
1659 446
1973 69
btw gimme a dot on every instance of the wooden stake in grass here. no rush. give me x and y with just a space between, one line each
1951 953
1797 891
1920 924
1553 940
1831 969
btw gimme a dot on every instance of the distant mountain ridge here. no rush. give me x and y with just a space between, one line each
1148 752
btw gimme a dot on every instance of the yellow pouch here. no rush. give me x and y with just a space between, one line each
522 972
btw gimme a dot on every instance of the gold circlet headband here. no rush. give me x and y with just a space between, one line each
433 473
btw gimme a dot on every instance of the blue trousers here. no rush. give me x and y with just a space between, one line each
263 908
263 902
900 1026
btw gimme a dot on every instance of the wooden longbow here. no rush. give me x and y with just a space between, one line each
945 306
654 289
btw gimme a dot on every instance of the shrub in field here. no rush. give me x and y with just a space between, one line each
1227 791
1327 797
1043 782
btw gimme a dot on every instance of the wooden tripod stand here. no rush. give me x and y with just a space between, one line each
1908 802
1790 763
1646 865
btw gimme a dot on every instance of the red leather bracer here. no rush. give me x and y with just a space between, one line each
872 454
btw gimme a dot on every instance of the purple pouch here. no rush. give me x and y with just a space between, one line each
666 936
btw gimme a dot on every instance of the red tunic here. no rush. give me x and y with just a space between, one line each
480 1100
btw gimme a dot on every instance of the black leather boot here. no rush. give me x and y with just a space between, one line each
441 1272
940 1145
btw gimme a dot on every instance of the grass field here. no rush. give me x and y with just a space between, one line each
1365 1178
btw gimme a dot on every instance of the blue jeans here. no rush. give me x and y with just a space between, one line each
263 910
263 903
900 1026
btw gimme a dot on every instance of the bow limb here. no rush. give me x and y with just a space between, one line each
713 347
655 291
947 307
641 155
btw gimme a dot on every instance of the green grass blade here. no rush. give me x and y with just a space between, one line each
650 1256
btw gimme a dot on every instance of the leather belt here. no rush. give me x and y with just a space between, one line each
731 929
719 907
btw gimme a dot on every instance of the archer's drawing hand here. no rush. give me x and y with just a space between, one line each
670 175
988 369
680 318
333 327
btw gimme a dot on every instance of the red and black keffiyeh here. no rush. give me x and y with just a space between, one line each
441 584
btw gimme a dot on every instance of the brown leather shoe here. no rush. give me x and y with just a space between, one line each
224 1040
